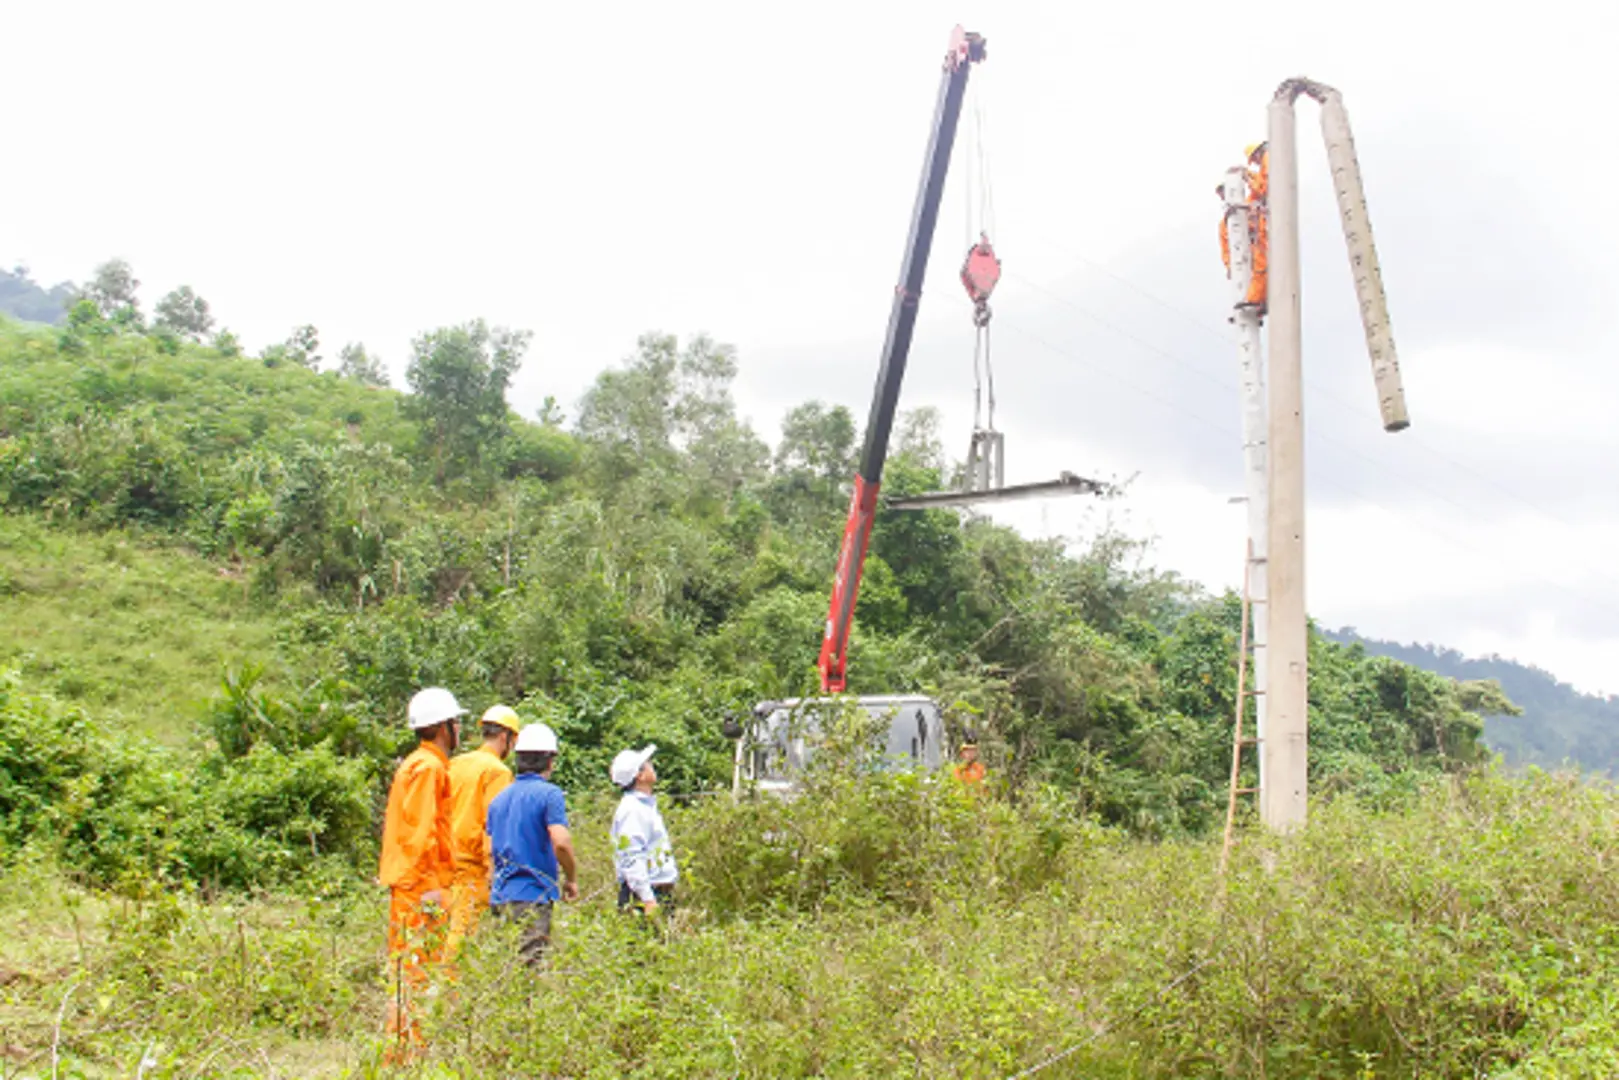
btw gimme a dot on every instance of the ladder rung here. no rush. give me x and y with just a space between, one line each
1247 791
1248 742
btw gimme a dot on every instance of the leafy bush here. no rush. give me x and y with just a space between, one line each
125 812
1467 934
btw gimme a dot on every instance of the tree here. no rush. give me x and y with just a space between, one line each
302 348
227 344
817 442
185 314
665 400
458 379
85 327
353 362
112 291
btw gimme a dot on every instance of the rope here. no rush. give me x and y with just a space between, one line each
986 196
978 380
989 373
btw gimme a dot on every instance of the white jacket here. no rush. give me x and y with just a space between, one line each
642 854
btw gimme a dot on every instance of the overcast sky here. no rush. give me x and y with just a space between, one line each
594 171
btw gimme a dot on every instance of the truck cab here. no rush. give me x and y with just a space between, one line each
780 737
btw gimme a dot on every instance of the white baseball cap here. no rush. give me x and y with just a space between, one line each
627 765
536 739
433 706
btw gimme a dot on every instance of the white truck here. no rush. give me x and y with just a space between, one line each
776 743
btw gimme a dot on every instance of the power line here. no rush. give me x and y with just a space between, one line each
1338 486
1316 387
1225 382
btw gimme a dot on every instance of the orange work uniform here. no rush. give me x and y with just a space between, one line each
475 779
1259 227
968 772
416 859
1258 231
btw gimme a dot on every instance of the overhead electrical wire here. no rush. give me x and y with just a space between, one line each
1326 392
1229 430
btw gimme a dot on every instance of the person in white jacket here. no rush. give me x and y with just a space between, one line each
642 854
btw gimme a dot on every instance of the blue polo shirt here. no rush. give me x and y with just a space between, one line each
519 824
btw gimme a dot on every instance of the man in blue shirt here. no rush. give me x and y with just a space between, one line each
529 841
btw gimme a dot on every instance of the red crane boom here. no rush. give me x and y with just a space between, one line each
965 50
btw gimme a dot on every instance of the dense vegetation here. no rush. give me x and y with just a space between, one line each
332 544
631 578
1558 725
1466 932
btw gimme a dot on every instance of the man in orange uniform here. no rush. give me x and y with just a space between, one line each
969 770
476 777
1258 227
417 865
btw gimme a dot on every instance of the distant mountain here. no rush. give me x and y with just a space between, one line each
23 298
1559 726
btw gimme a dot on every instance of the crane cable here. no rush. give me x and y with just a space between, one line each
981 270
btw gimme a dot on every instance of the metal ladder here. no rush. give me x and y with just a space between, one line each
1238 742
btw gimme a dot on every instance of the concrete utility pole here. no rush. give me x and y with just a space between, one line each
1284 752
1255 450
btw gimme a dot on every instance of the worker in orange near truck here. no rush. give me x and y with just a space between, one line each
968 770
476 777
417 865
1258 227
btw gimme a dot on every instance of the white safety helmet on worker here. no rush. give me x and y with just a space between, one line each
433 706
536 739
627 765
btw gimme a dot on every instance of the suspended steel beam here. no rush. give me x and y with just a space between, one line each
1066 484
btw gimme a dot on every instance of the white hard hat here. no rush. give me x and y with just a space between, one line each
627 765
536 739
433 706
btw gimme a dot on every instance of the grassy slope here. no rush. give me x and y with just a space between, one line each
121 625
128 625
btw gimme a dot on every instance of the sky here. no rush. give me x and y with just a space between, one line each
591 172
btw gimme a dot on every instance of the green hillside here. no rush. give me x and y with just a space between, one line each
257 562
1558 725
138 632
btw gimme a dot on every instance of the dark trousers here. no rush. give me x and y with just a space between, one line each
665 895
535 918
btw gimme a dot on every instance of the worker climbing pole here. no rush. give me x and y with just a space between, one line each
1244 238
1256 201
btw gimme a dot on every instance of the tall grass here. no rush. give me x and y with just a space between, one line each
1468 933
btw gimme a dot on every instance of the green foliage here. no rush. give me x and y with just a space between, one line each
1531 718
904 841
127 813
458 378
184 314
301 349
113 290
1467 932
353 362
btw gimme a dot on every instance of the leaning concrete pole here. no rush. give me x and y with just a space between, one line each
1374 305
1285 750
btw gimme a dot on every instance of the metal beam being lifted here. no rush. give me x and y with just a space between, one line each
1065 484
